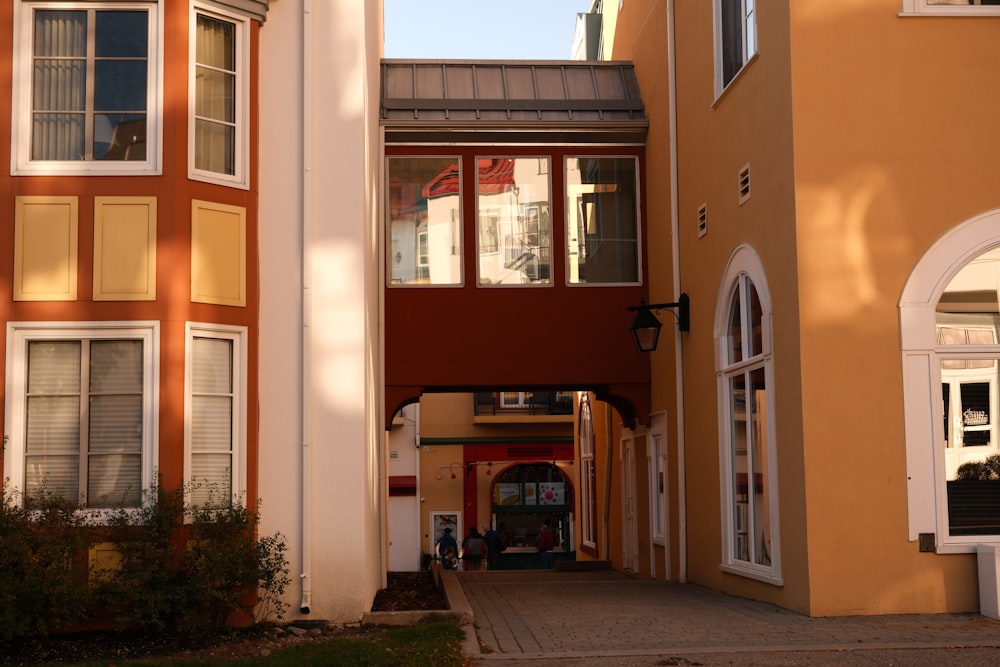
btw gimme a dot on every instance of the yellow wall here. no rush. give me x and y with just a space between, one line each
868 136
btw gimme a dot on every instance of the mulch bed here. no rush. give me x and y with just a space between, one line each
410 591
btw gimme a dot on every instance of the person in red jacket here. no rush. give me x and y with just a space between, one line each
546 543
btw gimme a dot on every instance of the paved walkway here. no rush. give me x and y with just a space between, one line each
606 618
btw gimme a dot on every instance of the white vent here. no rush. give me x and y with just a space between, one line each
702 220
393 454
745 184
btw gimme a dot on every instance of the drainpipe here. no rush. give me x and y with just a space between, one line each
678 338
611 448
306 544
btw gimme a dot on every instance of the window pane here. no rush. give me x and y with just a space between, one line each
53 367
212 365
216 46
424 220
514 225
211 423
736 329
121 34
755 321
211 474
113 480
740 467
120 85
119 137
761 487
732 39
602 223
215 95
61 34
215 147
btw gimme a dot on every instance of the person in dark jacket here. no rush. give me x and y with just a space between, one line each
447 544
473 550
546 543
495 545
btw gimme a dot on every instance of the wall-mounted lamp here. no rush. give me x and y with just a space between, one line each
451 468
471 465
646 328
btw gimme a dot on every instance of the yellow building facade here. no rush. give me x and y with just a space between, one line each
821 180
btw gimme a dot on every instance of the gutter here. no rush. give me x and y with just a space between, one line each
678 338
306 543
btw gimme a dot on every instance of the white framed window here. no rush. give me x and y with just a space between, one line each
87 88
588 474
218 117
602 220
657 453
215 413
949 320
952 7
735 39
746 408
424 220
81 410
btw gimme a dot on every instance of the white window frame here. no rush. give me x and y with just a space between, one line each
926 472
746 263
588 491
19 334
748 9
240 177
237 335
21 162
922 8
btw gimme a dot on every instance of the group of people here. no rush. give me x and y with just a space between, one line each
483 550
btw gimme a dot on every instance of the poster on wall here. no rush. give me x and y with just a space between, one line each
507 494
530 493
551 493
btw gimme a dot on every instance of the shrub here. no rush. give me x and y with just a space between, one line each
178 568
186 568
43 551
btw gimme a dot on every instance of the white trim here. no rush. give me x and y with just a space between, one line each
241 157
921 8
921 371
745 262
18 336
748 55
238 336
20 159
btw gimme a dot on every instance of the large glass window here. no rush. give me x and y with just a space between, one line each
425 220
87 86
215 435
967 322
219 114
748 465
602 220
514 231
80 415
736 38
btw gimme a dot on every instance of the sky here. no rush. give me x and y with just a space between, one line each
481 29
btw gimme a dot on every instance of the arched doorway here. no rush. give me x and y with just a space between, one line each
524 496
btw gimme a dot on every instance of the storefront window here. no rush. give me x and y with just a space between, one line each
528 495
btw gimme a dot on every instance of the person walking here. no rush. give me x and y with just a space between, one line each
495 545
546 544
447 544
473 550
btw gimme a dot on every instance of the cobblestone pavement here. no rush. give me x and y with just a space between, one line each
606 618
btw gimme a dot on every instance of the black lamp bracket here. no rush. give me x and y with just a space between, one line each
683 312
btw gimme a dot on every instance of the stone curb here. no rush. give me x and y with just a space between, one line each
458 605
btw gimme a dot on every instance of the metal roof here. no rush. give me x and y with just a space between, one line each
511 101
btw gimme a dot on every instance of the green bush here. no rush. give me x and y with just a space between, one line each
43 550
188 568
181 568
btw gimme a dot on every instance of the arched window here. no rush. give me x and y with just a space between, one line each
747 457
949 319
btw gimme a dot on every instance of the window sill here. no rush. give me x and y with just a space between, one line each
748 573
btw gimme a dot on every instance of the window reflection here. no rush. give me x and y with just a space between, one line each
424 221
602 222
514 232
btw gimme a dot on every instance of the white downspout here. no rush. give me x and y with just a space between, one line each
678 338
306 545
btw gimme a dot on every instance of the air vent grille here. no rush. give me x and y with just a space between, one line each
745 184
702 220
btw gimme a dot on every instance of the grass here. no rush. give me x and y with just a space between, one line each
436 642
